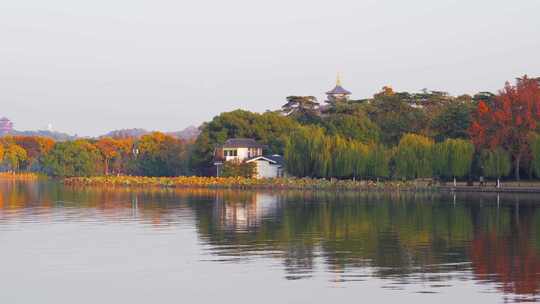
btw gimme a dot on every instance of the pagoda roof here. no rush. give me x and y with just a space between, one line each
338 89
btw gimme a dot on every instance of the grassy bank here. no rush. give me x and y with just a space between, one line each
240 183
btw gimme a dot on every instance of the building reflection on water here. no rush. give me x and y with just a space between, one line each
242 211
404 238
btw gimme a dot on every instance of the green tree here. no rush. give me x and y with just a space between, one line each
270 128
354 126
496 163
414 157
304 109
237 168
377 161
307 152
453 121
359 154
395 116
341 162
535 154
73 158
453 158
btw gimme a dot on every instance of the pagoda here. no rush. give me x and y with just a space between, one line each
338 93
6 126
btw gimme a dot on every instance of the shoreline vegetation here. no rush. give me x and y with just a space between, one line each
286 183
289 183
292 183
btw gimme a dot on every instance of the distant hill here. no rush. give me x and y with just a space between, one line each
58 136
189 133
126 133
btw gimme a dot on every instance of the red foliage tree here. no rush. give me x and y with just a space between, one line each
509 121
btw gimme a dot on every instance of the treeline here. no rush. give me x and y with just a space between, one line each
310 152
155 154
396 135
393 135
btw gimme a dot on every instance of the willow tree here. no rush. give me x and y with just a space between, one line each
414 157
307 152
496 163
535 154
377 161
341 162
453 158
310 152
359 154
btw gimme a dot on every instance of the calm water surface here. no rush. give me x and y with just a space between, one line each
69 245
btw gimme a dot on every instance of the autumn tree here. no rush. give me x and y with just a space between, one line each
161 155
509 120
14 156
114 151
36 147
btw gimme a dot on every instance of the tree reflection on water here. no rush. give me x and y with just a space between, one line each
405 237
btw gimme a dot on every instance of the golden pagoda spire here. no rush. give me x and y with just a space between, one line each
338 80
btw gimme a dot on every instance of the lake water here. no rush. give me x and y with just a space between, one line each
73 245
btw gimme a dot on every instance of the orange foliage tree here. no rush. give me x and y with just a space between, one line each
35 146
114 149
509 121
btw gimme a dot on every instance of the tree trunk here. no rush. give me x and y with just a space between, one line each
106 166
518 159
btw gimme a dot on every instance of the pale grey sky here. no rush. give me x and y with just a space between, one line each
89 67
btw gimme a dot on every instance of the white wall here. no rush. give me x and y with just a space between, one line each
242 154
266 170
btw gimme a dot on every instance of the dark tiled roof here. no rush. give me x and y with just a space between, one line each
338 90
242 143
277 158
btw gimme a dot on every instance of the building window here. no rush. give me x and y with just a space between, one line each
230 153
254 152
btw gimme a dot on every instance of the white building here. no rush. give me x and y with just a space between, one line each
248 150
268 166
